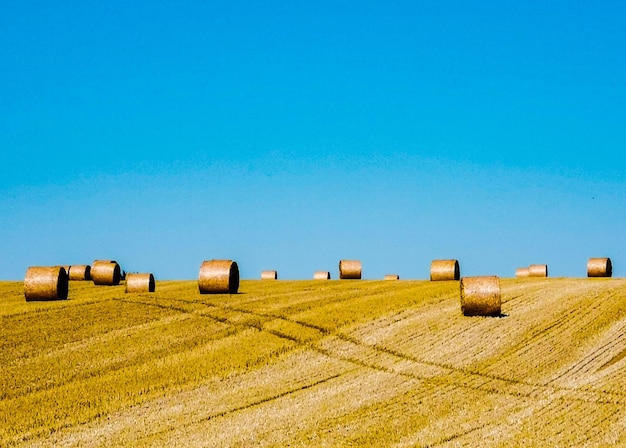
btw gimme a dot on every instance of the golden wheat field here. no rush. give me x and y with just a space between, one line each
315 363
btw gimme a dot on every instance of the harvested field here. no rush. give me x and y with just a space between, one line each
309 363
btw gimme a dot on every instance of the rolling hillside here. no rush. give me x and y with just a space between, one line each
315 363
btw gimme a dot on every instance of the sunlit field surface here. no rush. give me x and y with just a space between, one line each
315 363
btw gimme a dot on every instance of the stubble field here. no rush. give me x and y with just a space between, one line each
315 363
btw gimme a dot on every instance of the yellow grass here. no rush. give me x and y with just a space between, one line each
309 363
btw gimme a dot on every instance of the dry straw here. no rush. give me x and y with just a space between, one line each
444 270
392 277
218 277
106 272
480 296
350 269
521 272
321 275
269 275
599 267
139 283
538 270
80 272
45 283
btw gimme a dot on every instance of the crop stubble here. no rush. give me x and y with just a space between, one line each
394 355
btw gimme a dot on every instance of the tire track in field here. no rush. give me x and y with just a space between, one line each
558 415
487 382
325 333
594 361
600 357
355 360
553 421
484 378
13 388
205 401
561 324
299 343
611 381
59 326
544 339
457 435
256 403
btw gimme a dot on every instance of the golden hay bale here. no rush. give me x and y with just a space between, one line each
350 269
106 272
45 283
599 267
538 270
444 270
80 272
269 275
392 277
480 296
139 283
321 275
522 272
218 277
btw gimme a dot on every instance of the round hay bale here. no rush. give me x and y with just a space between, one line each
480 296
269 275
139 283
45 283
538 270
392 277
599 267
441 270
105 272
321 275
350 269
218 277
521 272
80 272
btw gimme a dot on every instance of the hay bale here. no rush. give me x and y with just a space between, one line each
480 296
45 283
321 275
218 277
106 272
599 267
269 275
538 270
441 270
521 272
350 269
139 283
392 277
79 272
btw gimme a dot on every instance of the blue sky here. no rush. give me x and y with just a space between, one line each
290 135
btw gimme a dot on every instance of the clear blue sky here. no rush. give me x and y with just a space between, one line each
290 135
